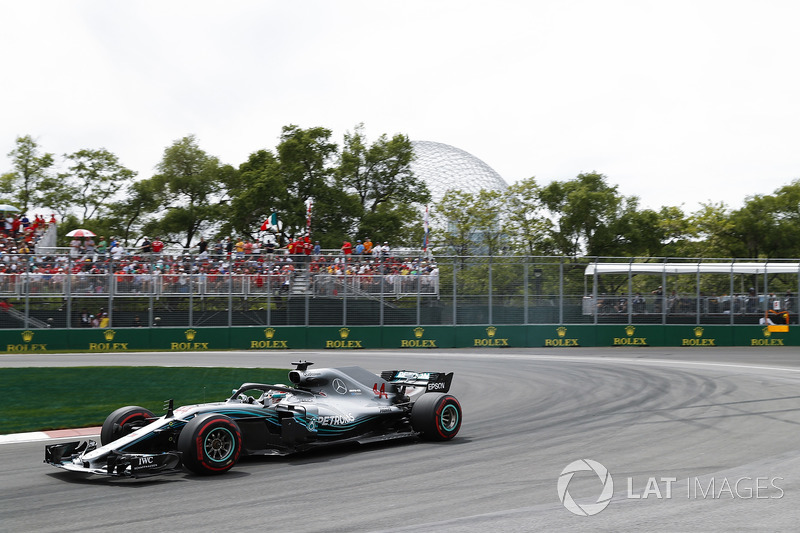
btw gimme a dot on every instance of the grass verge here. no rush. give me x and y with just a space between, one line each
36 399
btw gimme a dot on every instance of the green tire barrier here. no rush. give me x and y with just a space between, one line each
391 337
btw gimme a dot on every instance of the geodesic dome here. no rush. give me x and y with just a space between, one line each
444 167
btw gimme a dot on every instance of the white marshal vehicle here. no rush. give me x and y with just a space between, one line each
322 407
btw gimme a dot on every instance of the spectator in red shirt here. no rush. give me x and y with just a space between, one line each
157 245
304 248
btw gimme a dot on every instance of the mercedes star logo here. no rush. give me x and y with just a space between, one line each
339 386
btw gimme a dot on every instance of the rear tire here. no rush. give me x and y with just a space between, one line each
436 416
123 421
210 444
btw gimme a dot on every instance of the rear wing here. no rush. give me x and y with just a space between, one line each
432 381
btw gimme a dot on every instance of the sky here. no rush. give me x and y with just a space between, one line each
677 102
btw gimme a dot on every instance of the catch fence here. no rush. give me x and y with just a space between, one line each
68 292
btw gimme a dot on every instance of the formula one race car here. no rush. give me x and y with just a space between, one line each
323 407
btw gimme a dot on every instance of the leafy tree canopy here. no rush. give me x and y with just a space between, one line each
368 189
30 167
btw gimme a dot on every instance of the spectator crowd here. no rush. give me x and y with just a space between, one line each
20 234
92 264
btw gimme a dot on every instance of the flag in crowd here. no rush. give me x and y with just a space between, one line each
308 217
272 223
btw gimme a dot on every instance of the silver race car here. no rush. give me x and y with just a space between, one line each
322 407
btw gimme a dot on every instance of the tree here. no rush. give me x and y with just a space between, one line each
788 219
141 199
584 209
711 232
300 170
397 223
526 224
190 183
307 166
676 232
30 168
257 191
381 176
306 161
768 225
94 177
471 222
640 233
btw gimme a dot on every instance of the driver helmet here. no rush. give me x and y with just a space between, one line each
277 395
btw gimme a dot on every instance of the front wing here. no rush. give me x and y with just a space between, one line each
70 456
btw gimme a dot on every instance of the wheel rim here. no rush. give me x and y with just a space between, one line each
219 444
449 418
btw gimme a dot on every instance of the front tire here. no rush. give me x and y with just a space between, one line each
436 416
210 444
123 421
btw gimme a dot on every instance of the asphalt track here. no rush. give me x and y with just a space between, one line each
721 423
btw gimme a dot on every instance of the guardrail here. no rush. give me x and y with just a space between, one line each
121 285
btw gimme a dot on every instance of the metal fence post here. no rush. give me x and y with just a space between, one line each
664 292
27 295
455 292
152 298
732 299
561 291
630 290
309 288
110 305
595 301
269 297
525 269
419 300
382 282
766 287
344 295
191 292
69 293
697 293
490 300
